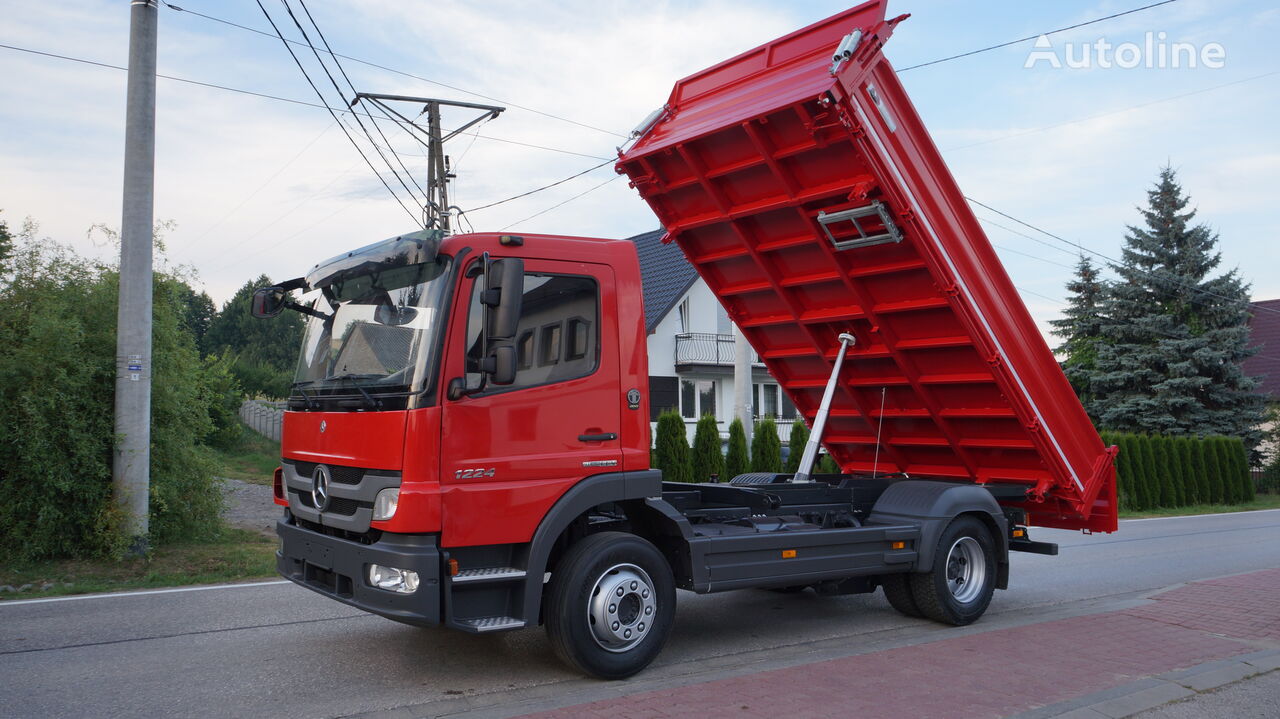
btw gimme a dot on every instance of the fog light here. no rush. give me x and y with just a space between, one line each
401 581
384 505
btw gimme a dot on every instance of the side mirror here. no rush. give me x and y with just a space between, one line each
500 365
268 302
503 297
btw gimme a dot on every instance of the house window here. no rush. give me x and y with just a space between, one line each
768 400
697 397
685 322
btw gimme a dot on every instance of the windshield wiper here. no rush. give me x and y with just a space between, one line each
368 398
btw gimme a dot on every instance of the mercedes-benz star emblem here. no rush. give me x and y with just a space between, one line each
323 425
320 488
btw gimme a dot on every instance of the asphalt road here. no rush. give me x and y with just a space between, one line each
278 650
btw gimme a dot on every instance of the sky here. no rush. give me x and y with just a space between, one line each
254 185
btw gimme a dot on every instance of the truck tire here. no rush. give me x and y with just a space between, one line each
610 605
897 589
958 587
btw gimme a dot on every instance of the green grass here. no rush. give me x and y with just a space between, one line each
1263 501
253 459
236 555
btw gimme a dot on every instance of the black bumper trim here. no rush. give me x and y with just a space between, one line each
337 569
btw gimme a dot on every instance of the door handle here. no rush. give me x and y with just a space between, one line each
602 437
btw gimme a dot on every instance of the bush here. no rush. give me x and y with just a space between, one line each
1164 471
1216 472
737 461
1148 473
827 465
673 448
766 448
795 444
1125 471
1190 476
708 462
57 384
1247 493
1200 462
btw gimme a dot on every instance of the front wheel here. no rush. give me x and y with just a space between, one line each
610 605
959 586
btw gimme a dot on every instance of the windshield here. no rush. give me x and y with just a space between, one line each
372 333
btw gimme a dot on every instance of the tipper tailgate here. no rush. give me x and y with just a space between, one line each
809 196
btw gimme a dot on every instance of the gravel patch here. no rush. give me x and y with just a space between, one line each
249 506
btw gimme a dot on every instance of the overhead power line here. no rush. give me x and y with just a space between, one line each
544 187
278 98
1033 37
1081 248
508 103
345 131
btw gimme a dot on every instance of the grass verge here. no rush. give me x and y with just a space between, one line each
253 459
1262 501
237 554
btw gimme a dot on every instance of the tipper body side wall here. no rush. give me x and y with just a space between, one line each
805 190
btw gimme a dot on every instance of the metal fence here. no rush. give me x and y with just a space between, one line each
263 417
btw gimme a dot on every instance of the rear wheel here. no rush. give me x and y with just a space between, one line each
959 586
897 589
610 605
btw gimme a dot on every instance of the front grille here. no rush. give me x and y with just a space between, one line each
337 473
337 505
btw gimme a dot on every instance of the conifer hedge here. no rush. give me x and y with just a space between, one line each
1154 471
795 443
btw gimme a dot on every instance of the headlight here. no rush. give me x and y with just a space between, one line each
401 581
384 505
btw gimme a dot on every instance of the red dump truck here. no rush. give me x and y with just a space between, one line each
467 443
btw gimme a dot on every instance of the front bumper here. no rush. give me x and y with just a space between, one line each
338 568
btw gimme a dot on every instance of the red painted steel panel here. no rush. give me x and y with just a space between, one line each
949 377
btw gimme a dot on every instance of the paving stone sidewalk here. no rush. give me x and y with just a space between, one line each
1114 664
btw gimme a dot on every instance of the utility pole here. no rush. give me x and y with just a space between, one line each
438 174
131 463
742 381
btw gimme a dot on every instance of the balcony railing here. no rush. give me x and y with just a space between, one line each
706 348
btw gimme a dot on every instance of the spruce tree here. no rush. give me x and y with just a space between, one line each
673 448
795 443
708 461
737 461
1172 336
1080 327
766 448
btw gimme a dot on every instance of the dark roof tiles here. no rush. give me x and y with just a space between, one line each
665 274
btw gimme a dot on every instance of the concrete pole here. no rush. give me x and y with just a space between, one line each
742 381
131 465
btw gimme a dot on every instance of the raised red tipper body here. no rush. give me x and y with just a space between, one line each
467 442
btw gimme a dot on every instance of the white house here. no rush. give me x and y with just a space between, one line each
691 345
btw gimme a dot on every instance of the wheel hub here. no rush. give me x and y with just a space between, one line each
966 570
622 607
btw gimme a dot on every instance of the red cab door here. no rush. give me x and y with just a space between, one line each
507 453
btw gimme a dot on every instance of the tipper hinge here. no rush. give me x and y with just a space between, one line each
862 237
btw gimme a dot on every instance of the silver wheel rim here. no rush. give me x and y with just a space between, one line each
966 570
622 607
